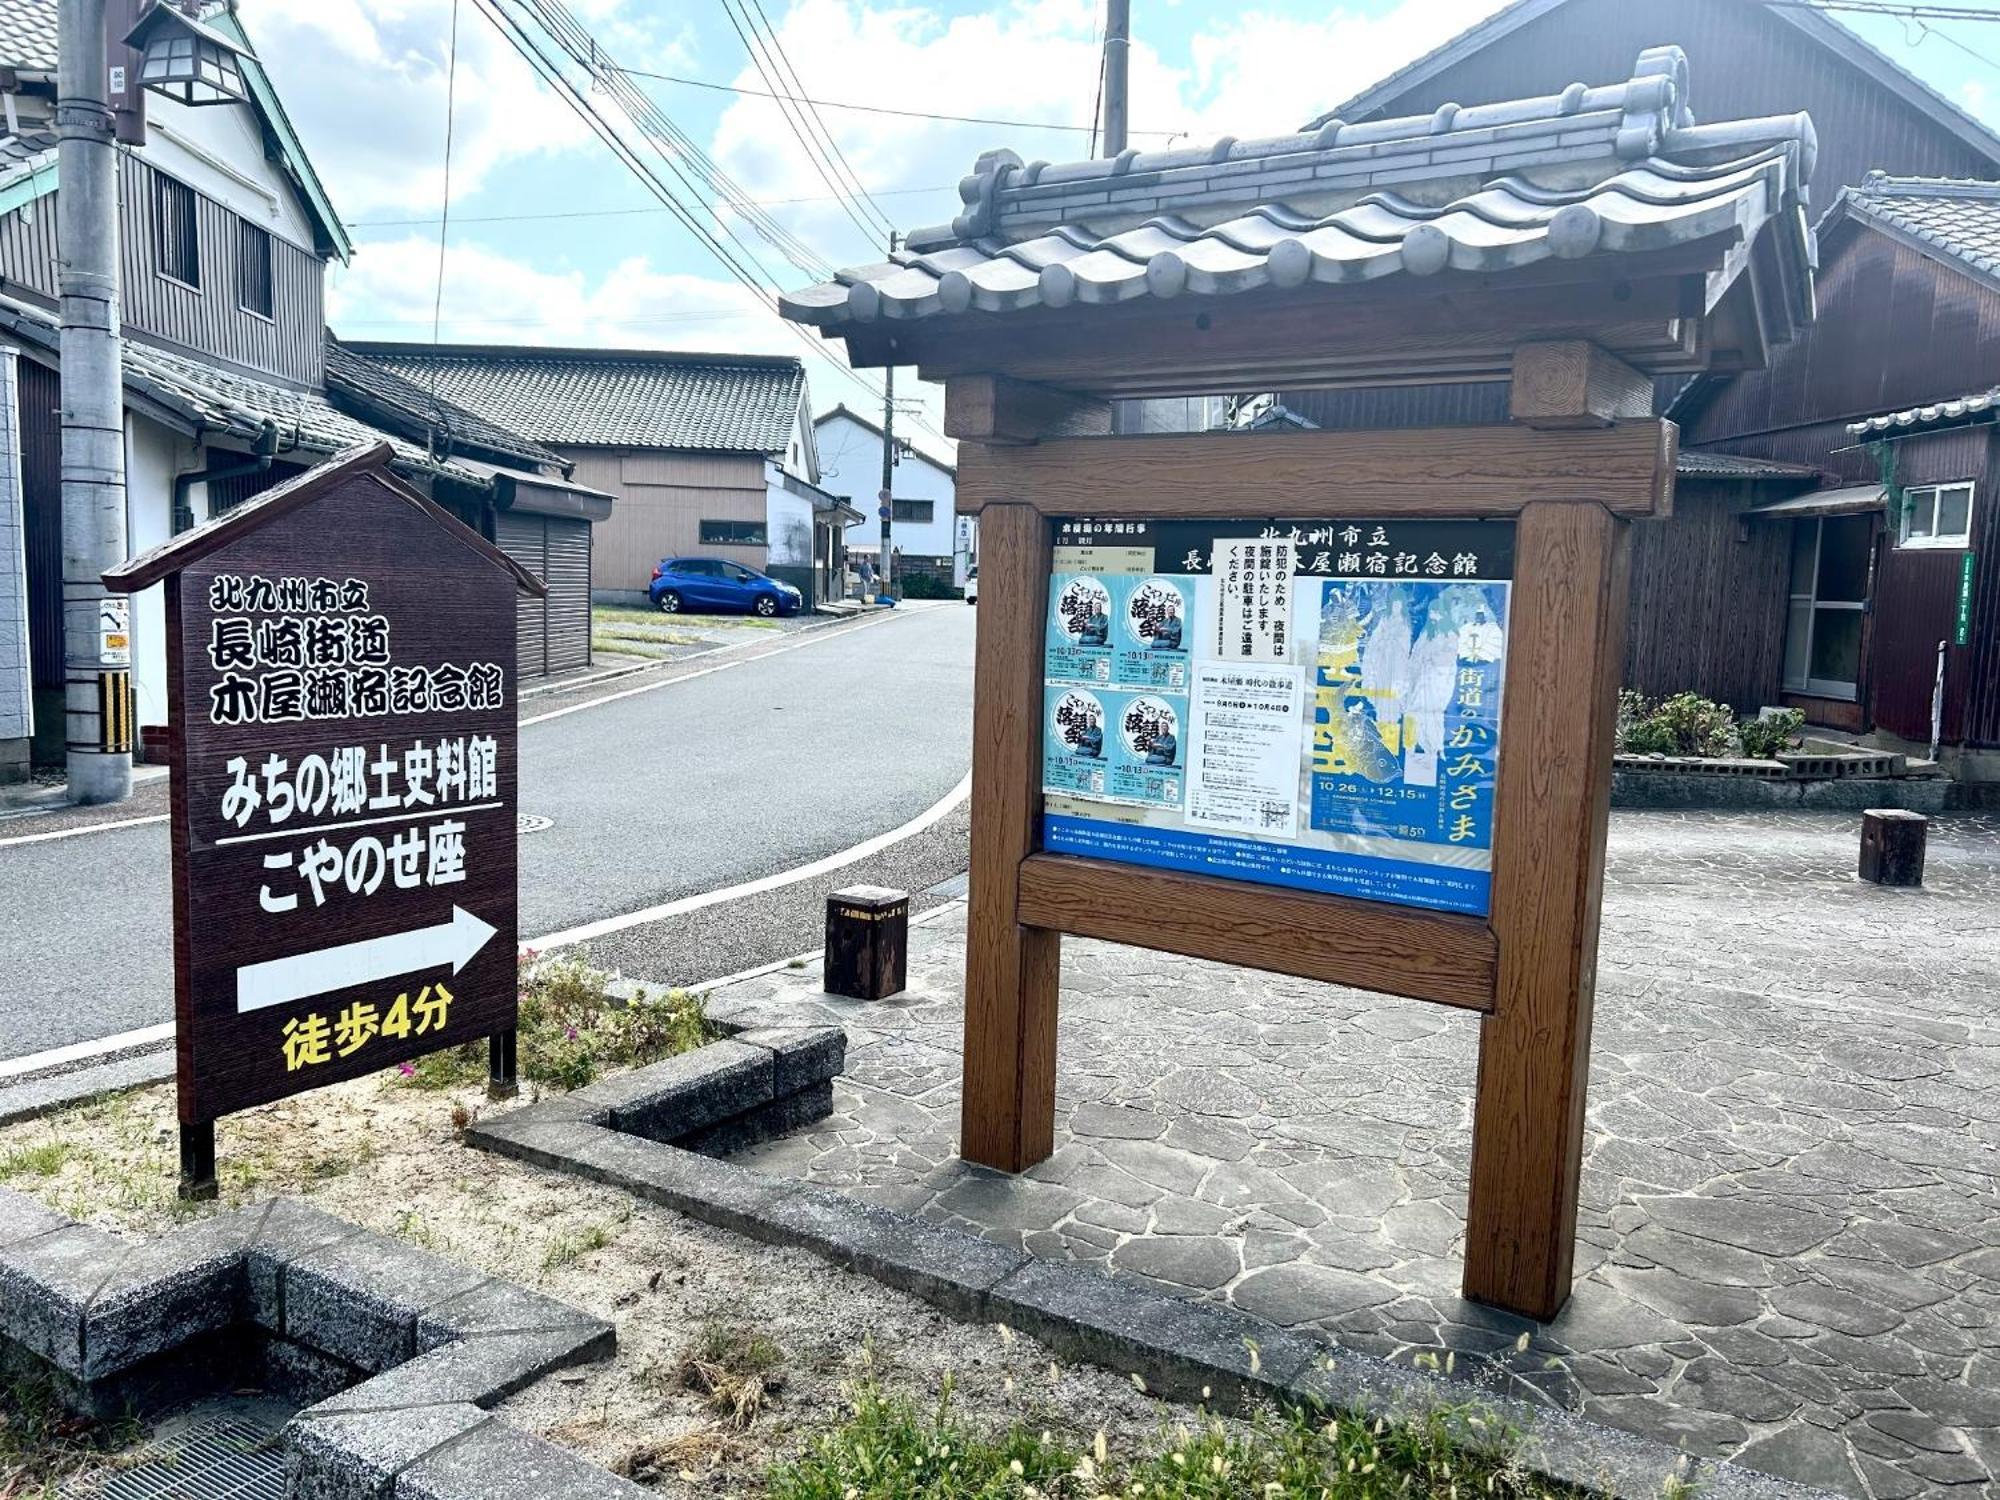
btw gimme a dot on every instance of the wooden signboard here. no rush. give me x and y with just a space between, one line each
341 670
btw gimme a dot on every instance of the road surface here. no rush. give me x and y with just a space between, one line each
749 763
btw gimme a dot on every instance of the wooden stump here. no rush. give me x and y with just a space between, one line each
1892 846
867 942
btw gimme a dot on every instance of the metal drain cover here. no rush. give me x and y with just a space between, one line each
220 1450
533 823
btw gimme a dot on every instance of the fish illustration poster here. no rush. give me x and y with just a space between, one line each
1310 704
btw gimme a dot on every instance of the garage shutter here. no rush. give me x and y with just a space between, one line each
524 539
567 546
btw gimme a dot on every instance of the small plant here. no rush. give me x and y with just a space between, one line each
1772 733
565 1249
735 1370
1685 724
43 1160
42 1443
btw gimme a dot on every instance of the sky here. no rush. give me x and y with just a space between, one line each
552 240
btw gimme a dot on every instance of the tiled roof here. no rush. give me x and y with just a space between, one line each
359 380
28 35
1695 463
1613 170
1957 217
222 401
1963 409
613 397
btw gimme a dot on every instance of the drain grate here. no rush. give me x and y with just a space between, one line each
225 1450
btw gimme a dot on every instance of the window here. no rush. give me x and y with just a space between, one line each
175 238
1936 515
912 510
253 269
732 533
1829 601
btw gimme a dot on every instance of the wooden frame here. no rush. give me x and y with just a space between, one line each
1527 969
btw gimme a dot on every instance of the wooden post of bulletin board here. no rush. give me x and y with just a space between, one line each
1578 462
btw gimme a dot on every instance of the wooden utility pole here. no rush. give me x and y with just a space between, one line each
1117 90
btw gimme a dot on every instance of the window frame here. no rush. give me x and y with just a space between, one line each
1957 541
897 503
724 535
186 214
1806 685
248 235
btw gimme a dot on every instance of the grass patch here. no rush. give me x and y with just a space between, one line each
42 1444
43 1160
889 1448
735 1370
573 1030
567 1249
624 614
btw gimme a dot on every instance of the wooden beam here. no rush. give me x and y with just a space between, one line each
1573 383
1565 650
1440 471
1012 971
996 409
1391 949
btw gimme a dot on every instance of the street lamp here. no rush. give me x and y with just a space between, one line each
187 60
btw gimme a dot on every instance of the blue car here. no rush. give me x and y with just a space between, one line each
714 583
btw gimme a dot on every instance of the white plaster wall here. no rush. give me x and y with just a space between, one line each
788 523
153 455
220 151
851 467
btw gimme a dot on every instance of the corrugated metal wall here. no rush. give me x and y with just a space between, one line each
522 538
553 632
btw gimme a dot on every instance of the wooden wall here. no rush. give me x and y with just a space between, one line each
289 345
662 497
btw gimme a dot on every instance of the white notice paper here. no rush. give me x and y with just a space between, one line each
1253 599
1247 728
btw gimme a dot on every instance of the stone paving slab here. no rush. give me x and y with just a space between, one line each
1789 1242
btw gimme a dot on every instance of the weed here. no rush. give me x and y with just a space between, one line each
44 1160
566 1249
42 1443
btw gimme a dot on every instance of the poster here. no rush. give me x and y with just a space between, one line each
1314 705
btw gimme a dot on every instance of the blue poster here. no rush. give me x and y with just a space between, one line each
1155 635
1406 709
1075 757
1115 747
1078 643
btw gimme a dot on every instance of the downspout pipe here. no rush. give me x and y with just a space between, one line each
258 462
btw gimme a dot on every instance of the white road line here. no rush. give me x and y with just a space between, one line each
814 638
863 850
72 833
56 1057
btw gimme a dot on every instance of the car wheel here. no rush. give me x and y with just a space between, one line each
670 602
766 606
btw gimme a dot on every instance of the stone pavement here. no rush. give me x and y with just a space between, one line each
1790 1234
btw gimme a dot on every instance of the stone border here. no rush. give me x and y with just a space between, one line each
1179 1348
1672 791
400 1352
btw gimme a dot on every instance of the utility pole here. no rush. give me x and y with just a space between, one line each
1117 86
96 627
888 559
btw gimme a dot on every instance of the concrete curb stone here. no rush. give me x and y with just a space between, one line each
480 1370
496 1459
357 1455
47 1282
497 1306
359 1298
168 1292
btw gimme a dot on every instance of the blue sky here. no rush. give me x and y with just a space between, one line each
553 241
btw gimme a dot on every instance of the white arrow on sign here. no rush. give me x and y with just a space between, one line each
279 981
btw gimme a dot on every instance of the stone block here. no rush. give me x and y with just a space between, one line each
716 1192
23 1218
45 1285
499 1460
302 1376
1603 1460
697 1089
168 1292
783 1115
1179 1348
1337 1379
539 1140
481 1370
946 1267
288 1230
359 1299
357 1455
802 1055
497 1307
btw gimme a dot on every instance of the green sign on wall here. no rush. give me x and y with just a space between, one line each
1962 616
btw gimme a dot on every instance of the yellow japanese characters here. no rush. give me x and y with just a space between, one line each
312 1039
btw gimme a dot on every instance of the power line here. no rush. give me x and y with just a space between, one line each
788 69
1905 10
619 213
882 109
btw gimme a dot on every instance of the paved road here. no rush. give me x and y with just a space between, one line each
750 764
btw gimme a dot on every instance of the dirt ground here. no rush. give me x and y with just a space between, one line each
382 1152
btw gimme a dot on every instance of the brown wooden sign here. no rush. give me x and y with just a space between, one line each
341 663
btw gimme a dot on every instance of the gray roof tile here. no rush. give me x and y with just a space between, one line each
372 384
1958 217
28 35
1962 409
612 397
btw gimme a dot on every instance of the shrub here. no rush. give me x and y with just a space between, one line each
1772 733
917 585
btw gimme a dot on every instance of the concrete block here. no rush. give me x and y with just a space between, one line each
359 1299
496 1307
45 1285
949 1268
1603 1460
540 1141
23 1218
357 1455
498 1460
697 1089
801 1055
716 1192
1179 1348
301 1375
783 1115
1335 1380
289 1230
166 1293
481 1371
